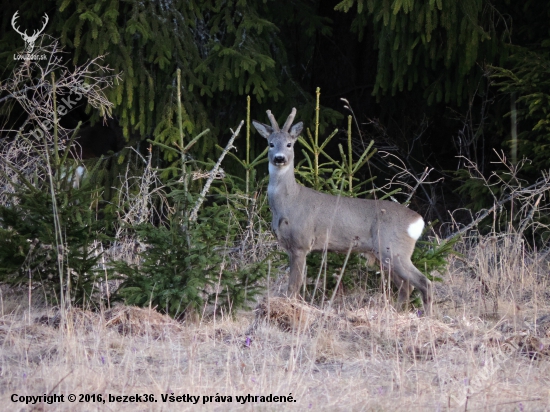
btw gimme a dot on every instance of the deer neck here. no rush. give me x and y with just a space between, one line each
282 184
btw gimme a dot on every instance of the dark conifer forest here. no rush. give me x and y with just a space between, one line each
433 82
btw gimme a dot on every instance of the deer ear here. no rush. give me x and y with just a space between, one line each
296 130
263 129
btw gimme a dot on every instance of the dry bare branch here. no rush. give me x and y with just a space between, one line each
214 173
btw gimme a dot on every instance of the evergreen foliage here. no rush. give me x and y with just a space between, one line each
528 80
145 41
50 226
185 267
31 251
430 256
434 45
224 49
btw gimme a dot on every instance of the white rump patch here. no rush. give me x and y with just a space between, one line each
415 229
80 171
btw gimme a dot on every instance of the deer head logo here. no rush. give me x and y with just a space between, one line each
29 40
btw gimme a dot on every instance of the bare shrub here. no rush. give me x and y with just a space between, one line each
32 86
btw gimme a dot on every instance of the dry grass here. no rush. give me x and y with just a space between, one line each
486 348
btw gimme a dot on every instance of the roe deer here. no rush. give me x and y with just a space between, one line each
305 220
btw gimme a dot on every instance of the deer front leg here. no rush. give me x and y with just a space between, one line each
297 270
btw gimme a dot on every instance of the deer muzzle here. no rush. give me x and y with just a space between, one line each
279 160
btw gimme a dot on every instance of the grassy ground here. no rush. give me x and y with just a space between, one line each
485 348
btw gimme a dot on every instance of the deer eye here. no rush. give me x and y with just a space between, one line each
271 145
289 145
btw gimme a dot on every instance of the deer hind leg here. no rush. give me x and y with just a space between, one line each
404 288
410 275
297 270
402 284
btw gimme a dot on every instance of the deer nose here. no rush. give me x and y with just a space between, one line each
279 159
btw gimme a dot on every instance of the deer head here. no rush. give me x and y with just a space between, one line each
29 40
280 141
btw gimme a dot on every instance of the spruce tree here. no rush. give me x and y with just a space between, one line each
434 45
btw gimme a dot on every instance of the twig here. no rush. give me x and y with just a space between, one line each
487 212
213 174
419 181
530 215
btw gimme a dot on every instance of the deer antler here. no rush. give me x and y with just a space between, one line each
289 120
13 19
273 121
37 32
